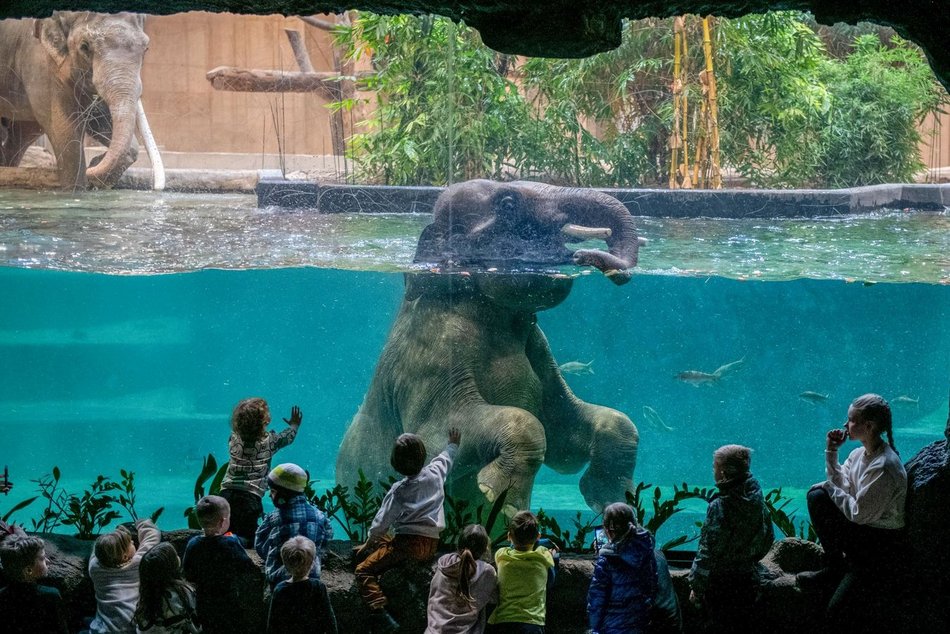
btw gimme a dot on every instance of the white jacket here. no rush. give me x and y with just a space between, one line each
868 490
117 589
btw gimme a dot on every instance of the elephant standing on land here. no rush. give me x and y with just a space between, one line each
70 75
466 351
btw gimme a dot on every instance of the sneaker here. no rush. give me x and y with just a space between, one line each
382 622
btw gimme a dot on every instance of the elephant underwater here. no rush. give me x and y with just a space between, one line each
466 351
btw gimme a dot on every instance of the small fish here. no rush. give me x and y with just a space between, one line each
654 419
903 399
814 397
697 378
576 367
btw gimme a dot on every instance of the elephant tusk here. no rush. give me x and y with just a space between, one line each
587 233
642 241
158 168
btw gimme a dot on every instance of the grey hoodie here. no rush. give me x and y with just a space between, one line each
446 612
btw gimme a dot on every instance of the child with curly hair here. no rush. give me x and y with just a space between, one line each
250 449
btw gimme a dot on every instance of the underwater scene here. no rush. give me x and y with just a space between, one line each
133 322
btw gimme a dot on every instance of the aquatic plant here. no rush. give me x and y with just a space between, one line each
776 503
126 497
209 468
563 539
665 509
353 514
458 516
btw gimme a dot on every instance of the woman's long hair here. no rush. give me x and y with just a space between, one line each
473 544
875 407
159 575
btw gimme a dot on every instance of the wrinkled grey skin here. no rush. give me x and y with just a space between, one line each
68 75
466 351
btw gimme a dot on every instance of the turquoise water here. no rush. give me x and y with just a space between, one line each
140 371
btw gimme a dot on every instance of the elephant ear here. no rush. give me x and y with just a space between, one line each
53 34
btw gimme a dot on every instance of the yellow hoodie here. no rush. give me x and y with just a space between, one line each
522 585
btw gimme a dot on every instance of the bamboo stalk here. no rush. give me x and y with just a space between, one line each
677 88
713 107
686 182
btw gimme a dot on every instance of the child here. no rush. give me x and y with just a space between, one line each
219 567
293 516
858 512
413 508
25 606
251 448
114 570
737 533
525 570
462 587
300 604
166 602
624 583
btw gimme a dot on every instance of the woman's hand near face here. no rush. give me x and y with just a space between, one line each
835 439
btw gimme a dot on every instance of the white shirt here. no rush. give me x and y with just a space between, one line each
413 505
117 589
869 490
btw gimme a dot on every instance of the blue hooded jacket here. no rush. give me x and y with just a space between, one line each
623 586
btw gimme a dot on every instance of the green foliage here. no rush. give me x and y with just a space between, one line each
665 509
209 468
447 108
579 541
776 503
126 497
354 513
93 510
458 516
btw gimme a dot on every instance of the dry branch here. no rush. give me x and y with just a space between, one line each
249 80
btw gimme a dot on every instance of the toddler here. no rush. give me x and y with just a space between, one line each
114 570
737 533
413 510
300 604
166 602
624 583
250 449
462 587
219 567
525 570
25 606
293 516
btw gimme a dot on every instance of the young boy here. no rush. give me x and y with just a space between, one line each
219 567
114 570
413 509
525 570
292 516
300 604
25 606
737 533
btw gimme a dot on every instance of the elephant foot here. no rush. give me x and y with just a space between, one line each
602 489
493 482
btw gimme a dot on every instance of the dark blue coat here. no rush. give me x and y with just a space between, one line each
623 586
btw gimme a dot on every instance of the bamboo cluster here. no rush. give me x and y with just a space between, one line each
705 172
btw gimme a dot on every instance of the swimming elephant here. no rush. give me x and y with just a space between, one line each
466 350
68 75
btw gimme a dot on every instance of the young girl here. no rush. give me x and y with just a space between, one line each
462 586
251 448
625 579
166 601
858 512
114 570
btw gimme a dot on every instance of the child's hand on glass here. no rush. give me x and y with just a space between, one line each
296 417
455 436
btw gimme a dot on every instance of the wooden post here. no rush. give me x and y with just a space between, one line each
300 50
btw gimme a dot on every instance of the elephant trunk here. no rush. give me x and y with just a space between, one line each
121 94
607 218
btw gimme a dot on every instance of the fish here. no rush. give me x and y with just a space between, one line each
697 378
576 367
654 419
903 399
814 397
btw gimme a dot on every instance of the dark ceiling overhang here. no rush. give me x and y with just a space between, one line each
559 28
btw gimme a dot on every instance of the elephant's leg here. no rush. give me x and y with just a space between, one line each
19 135
510 443
613 456
580 433
66 136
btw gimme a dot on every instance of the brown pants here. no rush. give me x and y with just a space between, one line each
391 553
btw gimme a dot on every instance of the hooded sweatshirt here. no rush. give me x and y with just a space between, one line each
449 614
522 585
737 532
623 586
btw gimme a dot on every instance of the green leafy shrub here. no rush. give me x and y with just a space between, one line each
209 470
776 503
